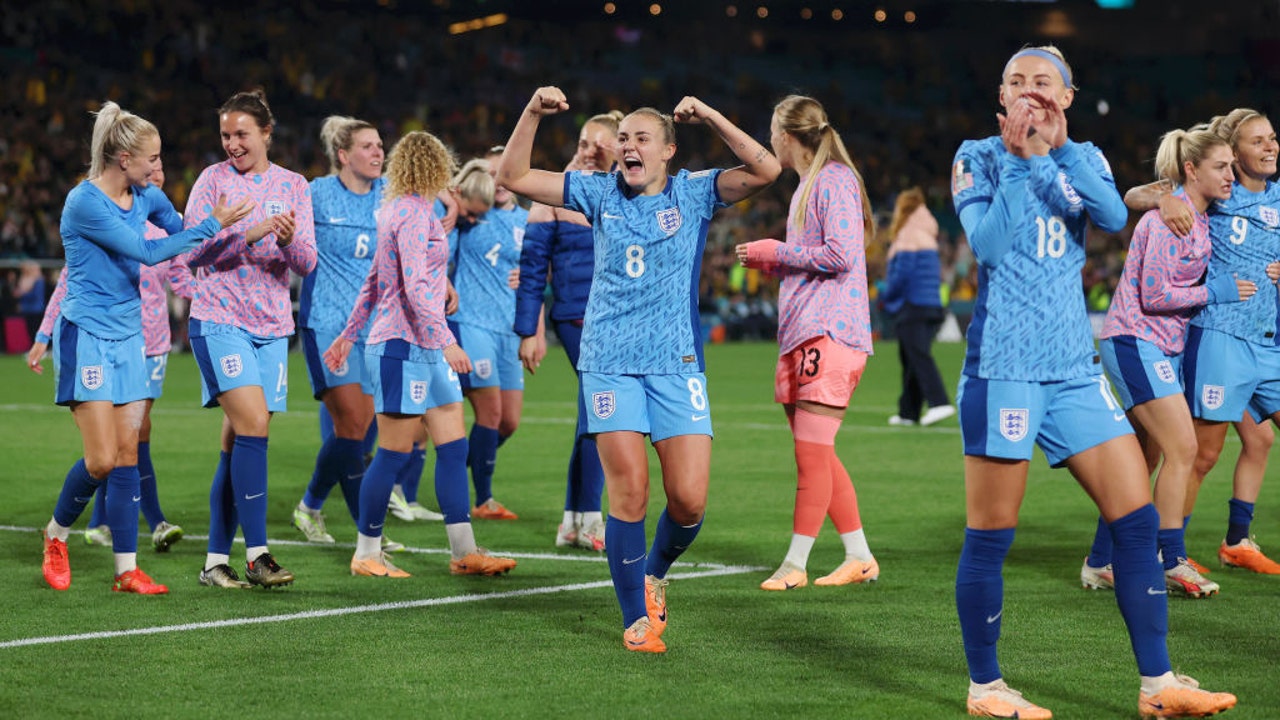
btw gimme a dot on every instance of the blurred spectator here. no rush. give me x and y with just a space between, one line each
31 296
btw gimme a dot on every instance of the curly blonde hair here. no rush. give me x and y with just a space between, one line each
419 164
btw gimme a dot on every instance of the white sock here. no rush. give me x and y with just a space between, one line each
56 531
979 689
126 562
570 519
462 539
592 518
213 560
1153 685
798 553
855 546
398 490
368 547
253 553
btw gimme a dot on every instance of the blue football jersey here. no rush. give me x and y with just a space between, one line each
642 313
346 237
483 255
1245 231
1026 225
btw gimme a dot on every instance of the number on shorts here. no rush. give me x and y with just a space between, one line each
1239 228
810 362
157 371
1052 237
635 261
282 379
362 245
697 394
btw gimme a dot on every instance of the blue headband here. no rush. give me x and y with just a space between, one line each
1037 52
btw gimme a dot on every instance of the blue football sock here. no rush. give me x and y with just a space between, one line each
980 598
1173 546
150 496
452 493
375 491
370 438
502 439
411 478
481 458
1238 521
99 514
249 481
123 498
1140 589
223 517
350 469
591 485
323 477
77 490
573 479
624 543
1100 553
670 540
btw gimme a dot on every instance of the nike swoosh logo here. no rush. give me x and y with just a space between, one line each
357 475
281 398
791 586
607 216
697 418
1118 416
663 616
992 618
82 501
1153 591
375 527
337 220
254 497
632 561
137 498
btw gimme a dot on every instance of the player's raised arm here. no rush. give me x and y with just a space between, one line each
513 168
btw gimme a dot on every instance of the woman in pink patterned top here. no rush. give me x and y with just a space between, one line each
824 331
1143 338
413 360
241 320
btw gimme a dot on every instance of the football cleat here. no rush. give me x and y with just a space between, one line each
1246 554
265 571
786 577
899 421
641 637
165 535
851 571
1198 567
100 535
591 537
424 513
389 545
398 506
311 523
1092 578
937 414
1183 698
136 581
1182 579
566 535
222 576
376 567
56 565
655 603
998 700
492 510
480 562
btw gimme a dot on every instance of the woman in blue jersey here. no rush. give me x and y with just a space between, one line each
98 350
641 363
482 253
1031 377
1232 365
557 251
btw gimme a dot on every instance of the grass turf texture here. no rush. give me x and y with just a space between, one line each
517 647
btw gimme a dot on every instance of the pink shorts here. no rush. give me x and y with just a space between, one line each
821 371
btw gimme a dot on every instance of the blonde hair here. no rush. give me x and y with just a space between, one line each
609 119
907 202
474 182
338 133
115 130
804 119
419 164
1178 147
1228 126
664 120
1064 67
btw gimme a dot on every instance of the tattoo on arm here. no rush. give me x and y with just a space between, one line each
760 156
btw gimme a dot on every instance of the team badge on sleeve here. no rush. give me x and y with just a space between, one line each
1069 192
232 365
603 404
1212 396
961 176
1269 216
1013 423
669 220
418 391
1164 371
91 377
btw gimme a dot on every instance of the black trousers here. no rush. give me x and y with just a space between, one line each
916 326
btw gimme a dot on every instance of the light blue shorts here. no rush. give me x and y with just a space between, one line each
409 380
1008 418
660 406
314 343
93 369
1139 371
230 358
157 367
495 358
1226 376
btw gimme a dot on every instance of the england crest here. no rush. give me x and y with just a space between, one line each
231 365
669 220
1269 215
342 370
418 391
519 237
603 404
91 377
1072 196
273 207
1013 423
484 368
1211 396
1164 371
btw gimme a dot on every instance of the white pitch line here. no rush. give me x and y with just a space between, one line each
336 612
